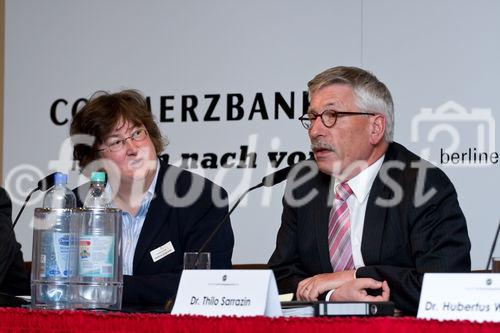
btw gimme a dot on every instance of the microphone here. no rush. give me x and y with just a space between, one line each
42 185
268 181
493 247
46 183
276 177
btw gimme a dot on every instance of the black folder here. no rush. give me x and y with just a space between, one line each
321 309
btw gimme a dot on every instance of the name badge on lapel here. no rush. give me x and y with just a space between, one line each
162 251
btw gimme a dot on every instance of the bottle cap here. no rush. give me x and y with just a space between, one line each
60 178
98 176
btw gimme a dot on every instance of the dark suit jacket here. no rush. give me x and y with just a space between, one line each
186 226
14 279
399 243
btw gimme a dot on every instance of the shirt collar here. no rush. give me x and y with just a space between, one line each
362 182
151 189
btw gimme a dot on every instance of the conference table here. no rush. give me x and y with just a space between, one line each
26 320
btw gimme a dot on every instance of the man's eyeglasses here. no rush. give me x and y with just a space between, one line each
117 145
328 117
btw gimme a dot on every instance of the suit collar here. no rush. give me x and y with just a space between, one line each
375 216
157 213
152 187
321 213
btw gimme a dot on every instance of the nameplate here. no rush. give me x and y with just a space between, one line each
460 296
227 292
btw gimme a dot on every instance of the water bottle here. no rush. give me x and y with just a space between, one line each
100 268
55 247
97 197
59 196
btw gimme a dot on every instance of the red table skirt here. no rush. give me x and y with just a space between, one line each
15 319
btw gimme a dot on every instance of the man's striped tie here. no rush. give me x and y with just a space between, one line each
339 234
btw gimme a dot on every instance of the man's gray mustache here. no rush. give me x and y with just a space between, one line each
321 145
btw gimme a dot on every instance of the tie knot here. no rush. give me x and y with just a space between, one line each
343 191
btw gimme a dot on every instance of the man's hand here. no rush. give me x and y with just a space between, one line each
309 289
355 290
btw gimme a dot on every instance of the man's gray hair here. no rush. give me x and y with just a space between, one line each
371 95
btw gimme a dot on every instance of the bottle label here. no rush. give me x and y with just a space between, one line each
97 255
54 257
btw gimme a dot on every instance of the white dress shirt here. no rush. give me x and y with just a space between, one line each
361 185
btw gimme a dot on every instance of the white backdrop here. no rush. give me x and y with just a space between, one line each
443 56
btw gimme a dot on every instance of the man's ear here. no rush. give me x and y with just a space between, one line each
377 129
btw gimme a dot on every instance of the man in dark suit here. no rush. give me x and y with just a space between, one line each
367 218
14 280
166 211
